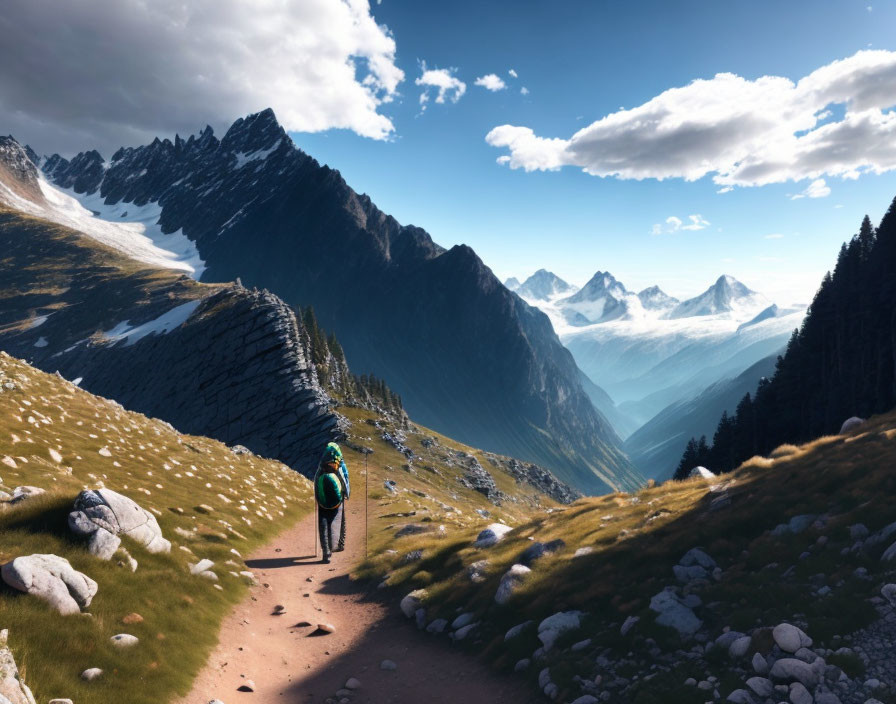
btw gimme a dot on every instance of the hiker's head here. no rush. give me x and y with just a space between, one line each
332 453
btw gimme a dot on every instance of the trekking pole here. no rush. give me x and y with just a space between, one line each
366 500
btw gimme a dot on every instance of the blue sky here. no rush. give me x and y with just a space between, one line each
581 61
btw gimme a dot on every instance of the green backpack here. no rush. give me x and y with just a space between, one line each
328 489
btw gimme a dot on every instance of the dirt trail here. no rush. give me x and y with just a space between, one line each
289 662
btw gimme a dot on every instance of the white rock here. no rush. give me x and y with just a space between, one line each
851 424
740 647
462 620
790 669
740 696
51 578
91 674
799 694
412 602
761 686
511 581
201 566
673 613
581 552
13 689
492 534
789 638
628 625
888 592
760 665
696 556
103 515
124 640
23 493
551 628
516 630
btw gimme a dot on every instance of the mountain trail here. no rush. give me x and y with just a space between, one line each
289 660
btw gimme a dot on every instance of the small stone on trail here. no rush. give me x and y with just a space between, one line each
388 665
353 683
124 640
248 686
326 627
91 674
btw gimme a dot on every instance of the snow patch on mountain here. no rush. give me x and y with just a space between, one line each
131 229
162 325
544 285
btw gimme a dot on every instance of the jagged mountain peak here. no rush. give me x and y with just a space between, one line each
544 285
654 298
254 133
18 173
598 286
726 295
512 283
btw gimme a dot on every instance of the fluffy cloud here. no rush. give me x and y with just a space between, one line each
817 189
512 73
99 73
492 82
674 224
447 86
742 132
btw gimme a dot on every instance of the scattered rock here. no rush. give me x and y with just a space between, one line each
23 493
124 640
628 624
511 581
412 602
491 535
13 689
517 630
132 618
51 578
790 669
247 686
538 550
851 424
91 674
103 515
790 638
674 613
388 665
554 626
353 683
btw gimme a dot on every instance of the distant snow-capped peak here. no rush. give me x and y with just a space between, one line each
655 299
544 285
726 296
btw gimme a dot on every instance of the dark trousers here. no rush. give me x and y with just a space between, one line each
331 523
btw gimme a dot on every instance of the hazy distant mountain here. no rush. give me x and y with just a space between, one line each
603 298
656 447
543 285
512 283
655 299
726 295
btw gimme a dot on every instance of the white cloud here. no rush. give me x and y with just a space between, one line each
674 224
774 236
95 73
817 189
492 82
446 84
512 73
742 132
524 90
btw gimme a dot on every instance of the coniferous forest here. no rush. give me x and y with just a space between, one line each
839 364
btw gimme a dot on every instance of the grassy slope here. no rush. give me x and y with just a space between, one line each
638 538
167 472
163 471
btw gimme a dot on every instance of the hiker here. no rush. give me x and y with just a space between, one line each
331 489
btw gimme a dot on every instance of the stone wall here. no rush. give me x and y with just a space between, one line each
237 370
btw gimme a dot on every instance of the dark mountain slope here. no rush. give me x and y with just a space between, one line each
467 357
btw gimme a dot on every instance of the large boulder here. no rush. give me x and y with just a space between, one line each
491 534
789 638
511 581
701 472
674 613
51 578
104 515
851 424
551 628
537 550
12 688
793 670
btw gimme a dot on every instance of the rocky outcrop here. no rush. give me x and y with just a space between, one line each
13 689
237 370
104 516
51 578
222 361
